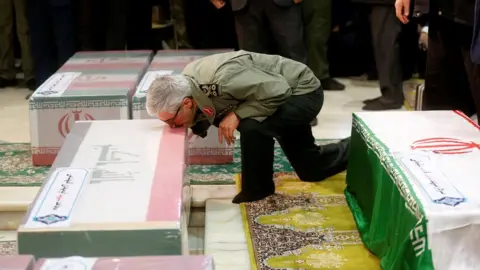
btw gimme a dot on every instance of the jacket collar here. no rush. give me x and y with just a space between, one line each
204 103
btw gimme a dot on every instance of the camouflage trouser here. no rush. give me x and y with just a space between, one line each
178 16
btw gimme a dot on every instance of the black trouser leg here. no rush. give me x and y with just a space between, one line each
257 158
451 79
386 30
290 125
286 26
252 33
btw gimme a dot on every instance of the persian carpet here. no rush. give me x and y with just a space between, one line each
8 248
304 226
16 167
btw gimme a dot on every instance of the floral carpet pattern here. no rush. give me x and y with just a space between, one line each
16 167
305 226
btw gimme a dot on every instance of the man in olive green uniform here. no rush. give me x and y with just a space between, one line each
11 10
263 97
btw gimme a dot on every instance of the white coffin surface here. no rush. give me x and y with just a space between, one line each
113 182
439 151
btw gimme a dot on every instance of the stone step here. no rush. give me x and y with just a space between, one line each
225 237
14 202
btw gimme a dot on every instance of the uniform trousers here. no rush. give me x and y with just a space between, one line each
290 126
261 19
452 80
11 10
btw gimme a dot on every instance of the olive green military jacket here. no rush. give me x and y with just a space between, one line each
252 85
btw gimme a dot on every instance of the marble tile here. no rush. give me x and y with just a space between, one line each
8 236
201 193
14 115
224 235
17 198
196 237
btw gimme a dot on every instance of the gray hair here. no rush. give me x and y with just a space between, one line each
167 93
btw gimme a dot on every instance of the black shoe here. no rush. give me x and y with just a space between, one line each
31 84
6 83
336 160
380 105
330 84
244 197
314 122
366 101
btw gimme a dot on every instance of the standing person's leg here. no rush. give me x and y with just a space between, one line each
116 24
317 17
178 8
250 27
64 33
446 82
43 47
139 25
386 30
23 33
286 26
7 56
472 69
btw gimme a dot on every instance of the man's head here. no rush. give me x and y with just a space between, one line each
169 98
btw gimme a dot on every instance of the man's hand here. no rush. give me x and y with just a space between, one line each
218 3
402 9
423 41
227 127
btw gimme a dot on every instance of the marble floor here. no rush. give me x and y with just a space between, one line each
218 230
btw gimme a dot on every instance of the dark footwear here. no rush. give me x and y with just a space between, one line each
244 197
31 84
330 84
336 160
380 105
6 83
314 122
366 101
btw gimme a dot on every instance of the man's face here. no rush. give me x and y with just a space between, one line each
183 117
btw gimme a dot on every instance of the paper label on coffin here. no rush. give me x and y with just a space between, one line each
113 54
149 78
107 60
57 200
430 177
56 85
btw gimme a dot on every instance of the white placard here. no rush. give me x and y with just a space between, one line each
430 177
69 263
107 60
149 77
55 204
56 85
